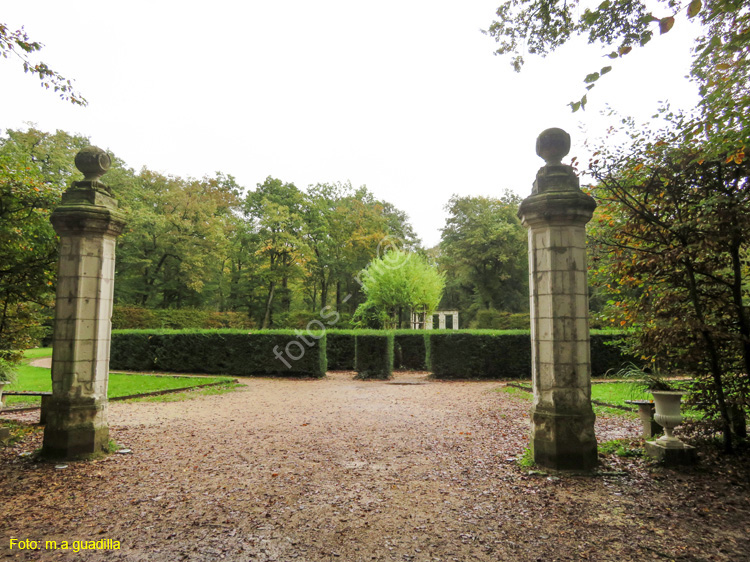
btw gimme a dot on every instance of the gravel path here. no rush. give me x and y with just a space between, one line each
339 469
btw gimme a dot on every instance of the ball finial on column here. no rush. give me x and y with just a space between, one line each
553 145
93 162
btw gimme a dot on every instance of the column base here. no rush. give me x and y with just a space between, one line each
75 430
564 441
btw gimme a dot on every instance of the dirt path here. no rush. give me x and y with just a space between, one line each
337 469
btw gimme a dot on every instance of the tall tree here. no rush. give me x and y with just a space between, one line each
275 212
673 230
35 168
346 229
175 243
483 251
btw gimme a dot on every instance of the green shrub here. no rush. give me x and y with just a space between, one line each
480 355
606 354
340 350
304 319
136 318
373 356
497 320
229 352
410 350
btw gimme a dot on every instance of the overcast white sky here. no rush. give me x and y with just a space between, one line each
404 96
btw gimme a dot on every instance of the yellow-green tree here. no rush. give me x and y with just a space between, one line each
396 284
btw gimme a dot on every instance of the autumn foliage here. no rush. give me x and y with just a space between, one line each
670 247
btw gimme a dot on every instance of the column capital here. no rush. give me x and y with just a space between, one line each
569 207
85 219
88 206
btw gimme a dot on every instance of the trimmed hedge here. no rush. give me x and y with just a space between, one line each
486 355
373 357
507 355
410 350
340 350
228 352
131 350
448 354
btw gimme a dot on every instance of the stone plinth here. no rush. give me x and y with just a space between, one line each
88 223
556 215
672 456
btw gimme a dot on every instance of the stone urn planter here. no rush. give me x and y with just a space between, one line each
668 415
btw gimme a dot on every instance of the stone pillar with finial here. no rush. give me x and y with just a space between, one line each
88 222
555 214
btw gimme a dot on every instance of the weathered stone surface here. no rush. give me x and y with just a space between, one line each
556 214
88 223
686 455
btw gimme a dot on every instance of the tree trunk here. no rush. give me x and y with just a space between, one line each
742 321
269 305
323 291
713 356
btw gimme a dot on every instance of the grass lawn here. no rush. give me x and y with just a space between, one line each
615 393
38 378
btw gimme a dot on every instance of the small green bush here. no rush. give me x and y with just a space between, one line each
373 357
605 353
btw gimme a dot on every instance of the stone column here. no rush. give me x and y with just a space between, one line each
88 223
428 322
556 213
441 321
455 320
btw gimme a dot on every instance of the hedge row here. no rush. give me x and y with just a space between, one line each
479 354
373 355
448 354
461 355
229 352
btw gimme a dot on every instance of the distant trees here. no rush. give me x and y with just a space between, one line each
175 245
483 252
276 253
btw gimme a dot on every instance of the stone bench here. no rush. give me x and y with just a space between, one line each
46 397
646 415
